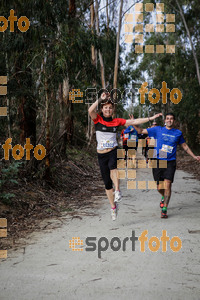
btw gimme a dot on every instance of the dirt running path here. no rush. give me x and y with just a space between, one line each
48 269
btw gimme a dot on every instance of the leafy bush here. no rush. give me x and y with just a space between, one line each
9 176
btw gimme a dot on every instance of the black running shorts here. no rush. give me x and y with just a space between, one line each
160 174
107 162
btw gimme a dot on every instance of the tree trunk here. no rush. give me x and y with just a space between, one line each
117 47
90 126
189 36
72 8
27 111
69 119
100 55
65 116
92 21
7 99
47 127
107 16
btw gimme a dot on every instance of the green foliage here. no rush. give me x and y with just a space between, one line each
57 47
177 70
9 177
6 198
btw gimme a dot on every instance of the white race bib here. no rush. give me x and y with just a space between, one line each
107 144
167 148
133 137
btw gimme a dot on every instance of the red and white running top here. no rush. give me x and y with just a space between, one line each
106 131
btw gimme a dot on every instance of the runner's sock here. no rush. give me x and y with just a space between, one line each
163 198
113 207
164 209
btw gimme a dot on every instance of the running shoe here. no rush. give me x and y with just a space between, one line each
114 212
164 214
118 196
162 202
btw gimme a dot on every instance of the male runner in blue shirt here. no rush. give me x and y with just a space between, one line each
132 136
167 139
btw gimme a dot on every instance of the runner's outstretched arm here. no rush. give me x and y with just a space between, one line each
140 130
141 120
189 151
128 130
92 108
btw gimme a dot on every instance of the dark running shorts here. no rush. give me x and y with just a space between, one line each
159 174
108 160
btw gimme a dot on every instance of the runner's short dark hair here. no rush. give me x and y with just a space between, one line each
170 114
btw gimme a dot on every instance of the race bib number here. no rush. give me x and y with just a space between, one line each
133 137
126 135
167 148
107 144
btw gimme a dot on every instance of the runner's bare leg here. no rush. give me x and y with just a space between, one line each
167 193
114 177
110 196
160 190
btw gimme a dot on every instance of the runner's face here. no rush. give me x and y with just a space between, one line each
107 110
169 121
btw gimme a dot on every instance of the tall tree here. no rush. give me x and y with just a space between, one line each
90 127
190 39
100 54
117 47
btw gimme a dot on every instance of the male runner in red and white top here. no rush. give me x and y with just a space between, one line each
106 128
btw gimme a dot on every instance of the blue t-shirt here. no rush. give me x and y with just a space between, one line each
133 135
166 141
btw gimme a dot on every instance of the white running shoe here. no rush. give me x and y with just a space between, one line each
118 196
114 212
